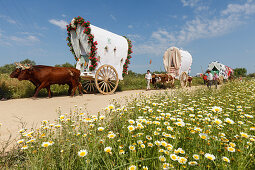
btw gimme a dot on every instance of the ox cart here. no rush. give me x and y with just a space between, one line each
177 63
102 56
224 72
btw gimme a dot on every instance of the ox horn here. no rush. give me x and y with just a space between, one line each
18 65
27 66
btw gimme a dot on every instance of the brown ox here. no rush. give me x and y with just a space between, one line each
44 76
18 70
189 81
162 78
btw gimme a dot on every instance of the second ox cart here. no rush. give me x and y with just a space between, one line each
102 56
177 64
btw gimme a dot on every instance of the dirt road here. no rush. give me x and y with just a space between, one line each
33 111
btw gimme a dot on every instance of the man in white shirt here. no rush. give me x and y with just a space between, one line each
148 78
210 79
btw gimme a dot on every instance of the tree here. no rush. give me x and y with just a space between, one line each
240 72
65 65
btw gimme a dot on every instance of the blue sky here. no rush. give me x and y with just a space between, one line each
210 30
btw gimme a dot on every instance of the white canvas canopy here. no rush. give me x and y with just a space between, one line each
177 61
220 68
112 49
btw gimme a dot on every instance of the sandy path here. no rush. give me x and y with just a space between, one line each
33 111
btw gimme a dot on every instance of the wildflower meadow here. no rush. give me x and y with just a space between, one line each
204 129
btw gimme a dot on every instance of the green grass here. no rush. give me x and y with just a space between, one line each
217 122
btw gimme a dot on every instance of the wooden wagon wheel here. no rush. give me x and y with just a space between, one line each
89 86
183 79
106 79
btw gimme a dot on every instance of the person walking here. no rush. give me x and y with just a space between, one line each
215 79
148 78
209 79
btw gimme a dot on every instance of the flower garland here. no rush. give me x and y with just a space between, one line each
125 66
87 30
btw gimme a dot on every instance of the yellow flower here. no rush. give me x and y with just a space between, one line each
61 117
181 124
108 149
210 156
158 143
121 152
58 126
20 141
162 158
230 149
101 117
145 168
252 128
150 144
170 128
216 109
192 163
182 160
232 144
165 166
244 135
163 143
111 107
111 135
132 147
173 157
45 121
203 136
24 147
82 153
218 121
225 159
46 144
21 130
100 129
131 128
139 142
196 157
131 121
132 167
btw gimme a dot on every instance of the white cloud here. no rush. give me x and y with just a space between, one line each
198 28
8 19
190 3
113 17
25 40
248 8
63 15
60 23
130 26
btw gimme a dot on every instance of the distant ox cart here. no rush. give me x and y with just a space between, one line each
177 63
102 56
224 72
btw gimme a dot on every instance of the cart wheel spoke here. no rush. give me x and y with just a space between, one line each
110 85
89 86
106 79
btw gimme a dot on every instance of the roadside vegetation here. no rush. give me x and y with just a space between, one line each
203 129
13 88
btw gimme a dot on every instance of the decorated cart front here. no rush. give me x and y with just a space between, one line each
102 56
224 72
178 63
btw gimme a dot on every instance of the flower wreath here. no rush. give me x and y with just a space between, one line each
87 30
125 66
